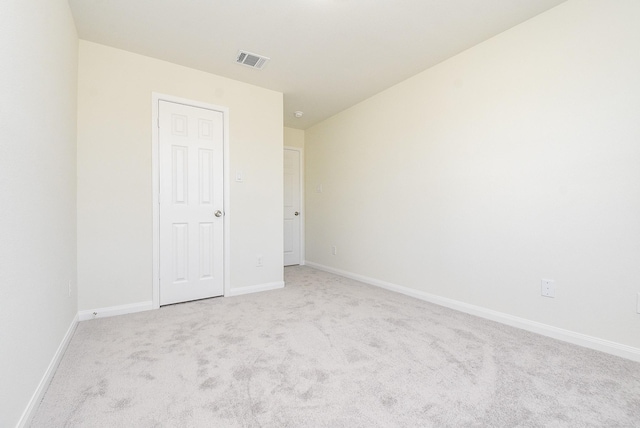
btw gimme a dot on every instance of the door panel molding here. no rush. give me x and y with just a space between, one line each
155 180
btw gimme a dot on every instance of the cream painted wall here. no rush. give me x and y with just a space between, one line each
294 138
114 172
516 160
38 75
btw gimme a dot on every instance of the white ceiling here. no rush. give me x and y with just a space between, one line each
326 55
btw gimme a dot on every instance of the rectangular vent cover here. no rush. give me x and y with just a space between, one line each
251 60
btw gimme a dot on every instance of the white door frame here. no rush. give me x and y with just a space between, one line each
155 180
302 206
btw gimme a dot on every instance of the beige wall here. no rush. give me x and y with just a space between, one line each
294 138
38 76
114 172
516 160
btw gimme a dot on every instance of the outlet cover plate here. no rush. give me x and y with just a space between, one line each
548 288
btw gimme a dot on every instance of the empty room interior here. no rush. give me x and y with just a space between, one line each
323 213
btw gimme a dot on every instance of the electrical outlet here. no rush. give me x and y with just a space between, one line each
334 250
319 188
259 260
548 288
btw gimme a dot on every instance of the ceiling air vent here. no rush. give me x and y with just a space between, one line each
251 60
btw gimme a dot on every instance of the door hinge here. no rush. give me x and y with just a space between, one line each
158 198
158 121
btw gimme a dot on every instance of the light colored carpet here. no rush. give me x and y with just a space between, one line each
327 351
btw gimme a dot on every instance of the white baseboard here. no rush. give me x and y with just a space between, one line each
580 339
37 396
255 288
114 310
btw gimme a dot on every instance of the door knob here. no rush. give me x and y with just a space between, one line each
296 213
218 213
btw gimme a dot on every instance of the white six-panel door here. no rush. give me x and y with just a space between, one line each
291 207
191 141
